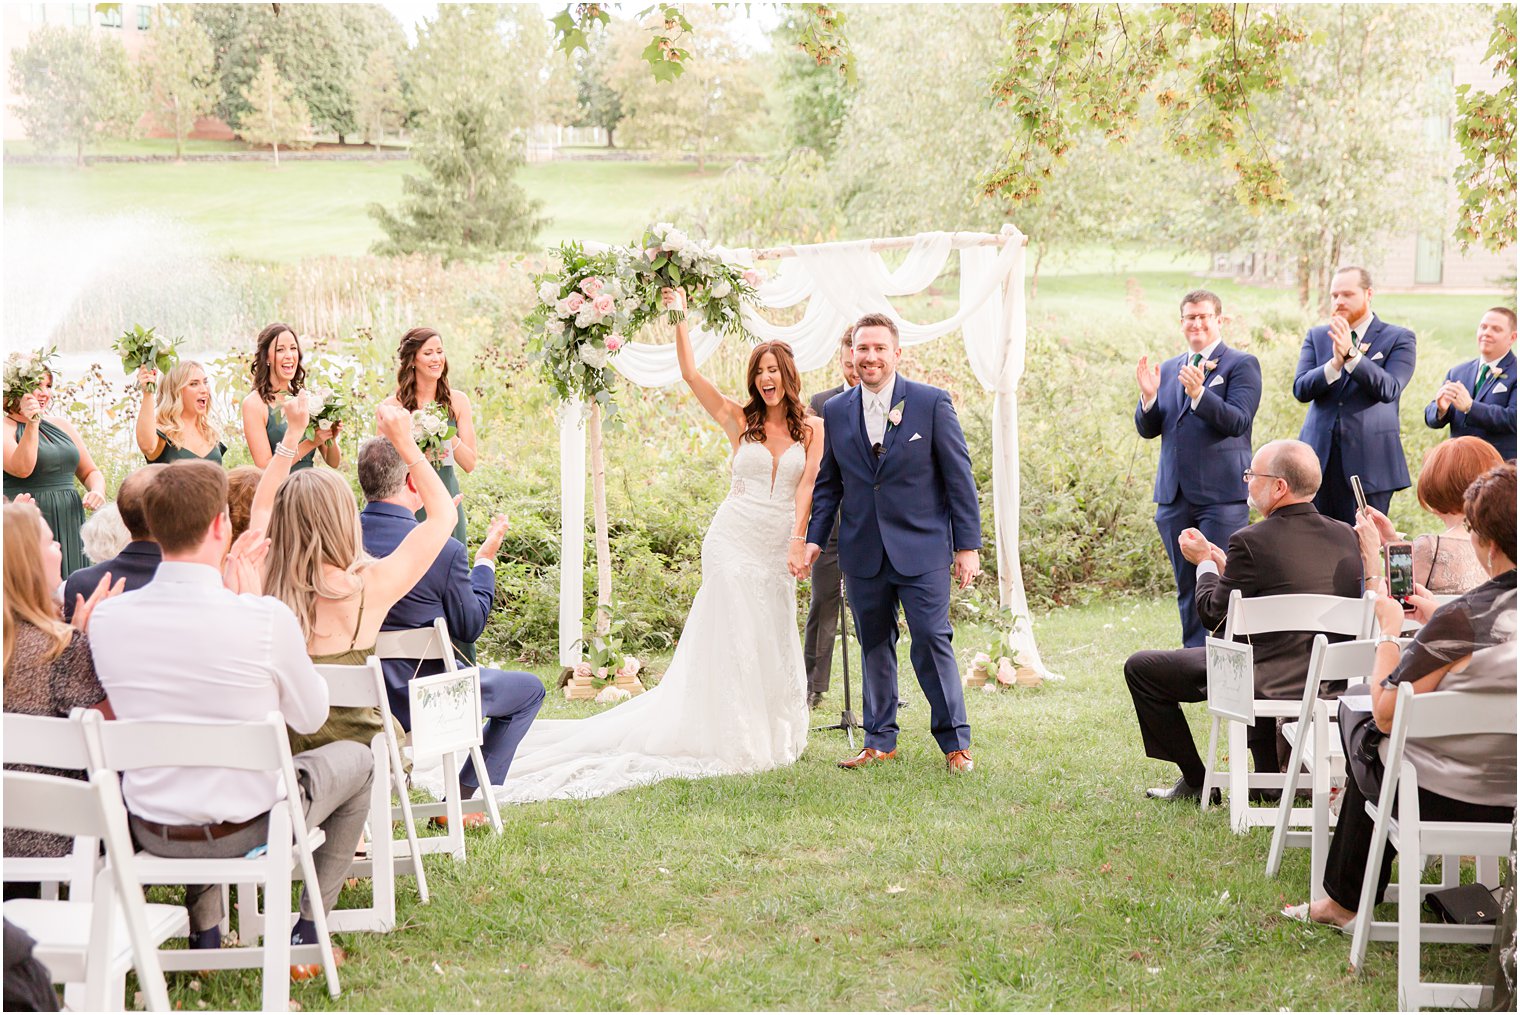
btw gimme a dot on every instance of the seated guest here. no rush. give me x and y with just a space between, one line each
1293 549
462 596
1444 563
48 669
1461 778
137 562
103 534
317 565
235 658
241 484
1478 397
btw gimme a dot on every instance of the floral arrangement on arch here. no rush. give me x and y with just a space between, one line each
998 664
584 311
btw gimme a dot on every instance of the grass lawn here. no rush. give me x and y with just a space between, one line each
1043 880
312 209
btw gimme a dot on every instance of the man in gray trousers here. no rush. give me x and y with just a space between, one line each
823 610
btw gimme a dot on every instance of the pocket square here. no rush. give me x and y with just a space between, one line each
1499 387
1377 355
1217 380
915 437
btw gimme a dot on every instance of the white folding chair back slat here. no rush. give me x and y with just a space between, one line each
1307 613
1421 716
100 940
427 643
127 744
51 742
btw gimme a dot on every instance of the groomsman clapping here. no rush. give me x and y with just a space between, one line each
1478 397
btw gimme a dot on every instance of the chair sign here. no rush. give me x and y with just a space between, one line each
445 712
1232 688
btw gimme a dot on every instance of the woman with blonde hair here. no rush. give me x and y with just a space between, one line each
317 565
179 425
48 667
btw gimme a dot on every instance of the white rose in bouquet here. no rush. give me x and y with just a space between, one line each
586 315
548 293
721 289
592 356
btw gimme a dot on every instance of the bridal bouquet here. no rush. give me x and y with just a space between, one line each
582 314
714 288
24 373
432 430
138 348
329 408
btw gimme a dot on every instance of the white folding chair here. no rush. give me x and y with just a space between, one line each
1418 716
50 742
1317 749
364 687
97 942
1340 615
129 744
425 644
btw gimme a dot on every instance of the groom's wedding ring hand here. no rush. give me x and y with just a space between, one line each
967 568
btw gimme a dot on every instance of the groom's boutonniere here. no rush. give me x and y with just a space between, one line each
894 418
1495 374
1365 346
1210 365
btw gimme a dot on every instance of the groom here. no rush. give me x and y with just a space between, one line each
895 467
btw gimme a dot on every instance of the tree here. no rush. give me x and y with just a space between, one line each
706 108
181 72
814 96
379 104
599 104
76 87
472 79
320 49
1485 129
276 116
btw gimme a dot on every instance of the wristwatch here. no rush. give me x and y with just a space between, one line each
1384 639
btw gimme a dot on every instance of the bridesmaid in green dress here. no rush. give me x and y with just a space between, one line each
175 422
422 377
279 373
43 457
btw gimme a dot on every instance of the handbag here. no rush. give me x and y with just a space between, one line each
1469 904
1361 739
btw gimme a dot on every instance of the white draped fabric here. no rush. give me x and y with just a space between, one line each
839 282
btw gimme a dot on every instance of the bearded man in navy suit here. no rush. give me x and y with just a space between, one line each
896 469
1352 372
1478 397
1201 403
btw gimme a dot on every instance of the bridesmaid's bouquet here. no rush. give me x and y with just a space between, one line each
138 348
328 408
432 430
714 288
25 372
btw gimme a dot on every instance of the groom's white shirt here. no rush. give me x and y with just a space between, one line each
874 404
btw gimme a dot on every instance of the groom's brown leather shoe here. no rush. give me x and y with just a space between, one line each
959 761
868 756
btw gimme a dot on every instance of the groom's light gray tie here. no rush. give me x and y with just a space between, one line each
876 419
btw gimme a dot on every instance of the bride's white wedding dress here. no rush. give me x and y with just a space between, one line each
734 697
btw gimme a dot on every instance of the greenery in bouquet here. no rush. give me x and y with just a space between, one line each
584 310
328 408
139 348
715 289
24 373
432 430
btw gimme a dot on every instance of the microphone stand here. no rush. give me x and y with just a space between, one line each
847 720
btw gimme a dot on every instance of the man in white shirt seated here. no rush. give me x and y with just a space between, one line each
184 648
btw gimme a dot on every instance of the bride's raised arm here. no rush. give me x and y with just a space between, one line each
728 413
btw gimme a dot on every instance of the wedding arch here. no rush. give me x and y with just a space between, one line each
839 282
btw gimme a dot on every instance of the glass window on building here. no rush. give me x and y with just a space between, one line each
1429 252
144 17
110 17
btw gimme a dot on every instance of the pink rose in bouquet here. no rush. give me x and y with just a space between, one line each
614 343
754 276
603 304
591 286
574 301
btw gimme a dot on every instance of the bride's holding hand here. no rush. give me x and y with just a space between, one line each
777 422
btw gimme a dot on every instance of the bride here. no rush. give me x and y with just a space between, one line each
733 699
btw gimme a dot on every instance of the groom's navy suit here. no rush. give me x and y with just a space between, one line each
1204 453
902 515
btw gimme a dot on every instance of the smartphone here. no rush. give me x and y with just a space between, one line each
1399 558
1356 491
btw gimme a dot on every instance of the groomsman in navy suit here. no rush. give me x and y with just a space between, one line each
1351 372
1478 398
1201 404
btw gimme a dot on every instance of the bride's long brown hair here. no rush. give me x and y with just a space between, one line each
791 393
